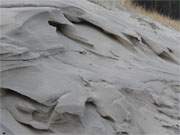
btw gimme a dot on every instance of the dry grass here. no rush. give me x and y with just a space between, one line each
154 15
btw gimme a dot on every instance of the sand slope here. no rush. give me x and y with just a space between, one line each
70 67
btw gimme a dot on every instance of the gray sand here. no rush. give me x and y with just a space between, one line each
71 67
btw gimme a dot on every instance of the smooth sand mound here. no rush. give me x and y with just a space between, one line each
71 67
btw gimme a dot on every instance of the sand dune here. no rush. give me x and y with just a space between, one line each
71 67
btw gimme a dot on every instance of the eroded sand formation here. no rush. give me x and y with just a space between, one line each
70 67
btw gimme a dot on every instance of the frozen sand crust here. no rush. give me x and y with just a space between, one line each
71 67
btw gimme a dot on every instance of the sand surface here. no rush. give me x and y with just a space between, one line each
71 67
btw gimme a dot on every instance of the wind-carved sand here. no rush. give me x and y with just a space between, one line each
71 67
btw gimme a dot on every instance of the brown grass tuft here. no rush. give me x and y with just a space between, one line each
154 15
